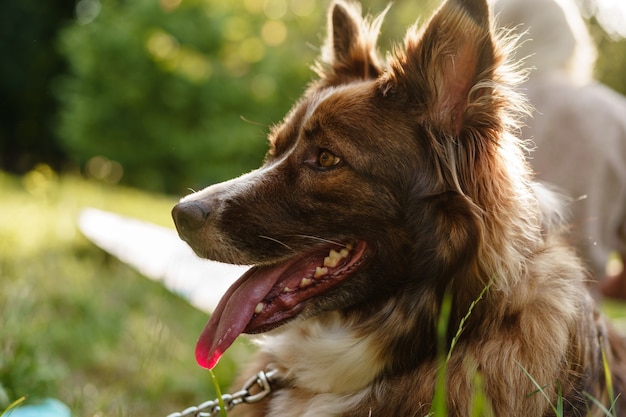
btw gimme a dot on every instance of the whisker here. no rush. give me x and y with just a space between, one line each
252 122
277 241
321 239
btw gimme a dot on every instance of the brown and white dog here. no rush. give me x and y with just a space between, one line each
389 186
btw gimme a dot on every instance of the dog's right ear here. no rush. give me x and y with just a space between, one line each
350 50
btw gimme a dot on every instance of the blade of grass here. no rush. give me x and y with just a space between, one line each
481 403
464 319
607 370
559 401
439 406
540 389
598 404
13 405
219 394
609 385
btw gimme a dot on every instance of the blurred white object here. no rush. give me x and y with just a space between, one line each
158 253
611 15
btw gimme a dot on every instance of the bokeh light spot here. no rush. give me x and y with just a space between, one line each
302 8
38 181
87 11
252 49
104 169
166 50
253 6
194 66
169 5
275 9
162 45
274 32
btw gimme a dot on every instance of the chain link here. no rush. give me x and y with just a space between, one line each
254 390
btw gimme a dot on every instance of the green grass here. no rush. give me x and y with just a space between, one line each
77 324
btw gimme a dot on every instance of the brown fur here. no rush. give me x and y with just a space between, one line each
426 171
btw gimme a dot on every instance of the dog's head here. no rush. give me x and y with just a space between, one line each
375 182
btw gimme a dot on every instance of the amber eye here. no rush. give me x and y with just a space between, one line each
326 159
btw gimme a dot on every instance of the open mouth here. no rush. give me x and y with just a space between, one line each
266 297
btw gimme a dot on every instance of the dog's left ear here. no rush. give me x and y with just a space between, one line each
350 50
448 65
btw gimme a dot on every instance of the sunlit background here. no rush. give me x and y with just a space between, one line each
125 106
169 95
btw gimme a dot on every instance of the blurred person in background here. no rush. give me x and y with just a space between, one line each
578 126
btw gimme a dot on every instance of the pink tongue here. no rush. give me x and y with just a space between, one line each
234 312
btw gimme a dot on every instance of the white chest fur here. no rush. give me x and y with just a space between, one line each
329 363
325 354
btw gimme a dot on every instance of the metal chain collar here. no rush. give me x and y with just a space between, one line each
254 390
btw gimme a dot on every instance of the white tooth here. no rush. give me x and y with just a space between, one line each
333 258
287 289
319 271
344 252
305 282
259 308
329 262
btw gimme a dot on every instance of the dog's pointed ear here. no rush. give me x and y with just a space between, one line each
447 65
350 50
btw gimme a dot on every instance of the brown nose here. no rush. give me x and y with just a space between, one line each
189 216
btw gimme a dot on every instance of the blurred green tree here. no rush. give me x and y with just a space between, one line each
180 93
28 30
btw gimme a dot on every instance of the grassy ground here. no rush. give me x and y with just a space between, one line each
80 326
